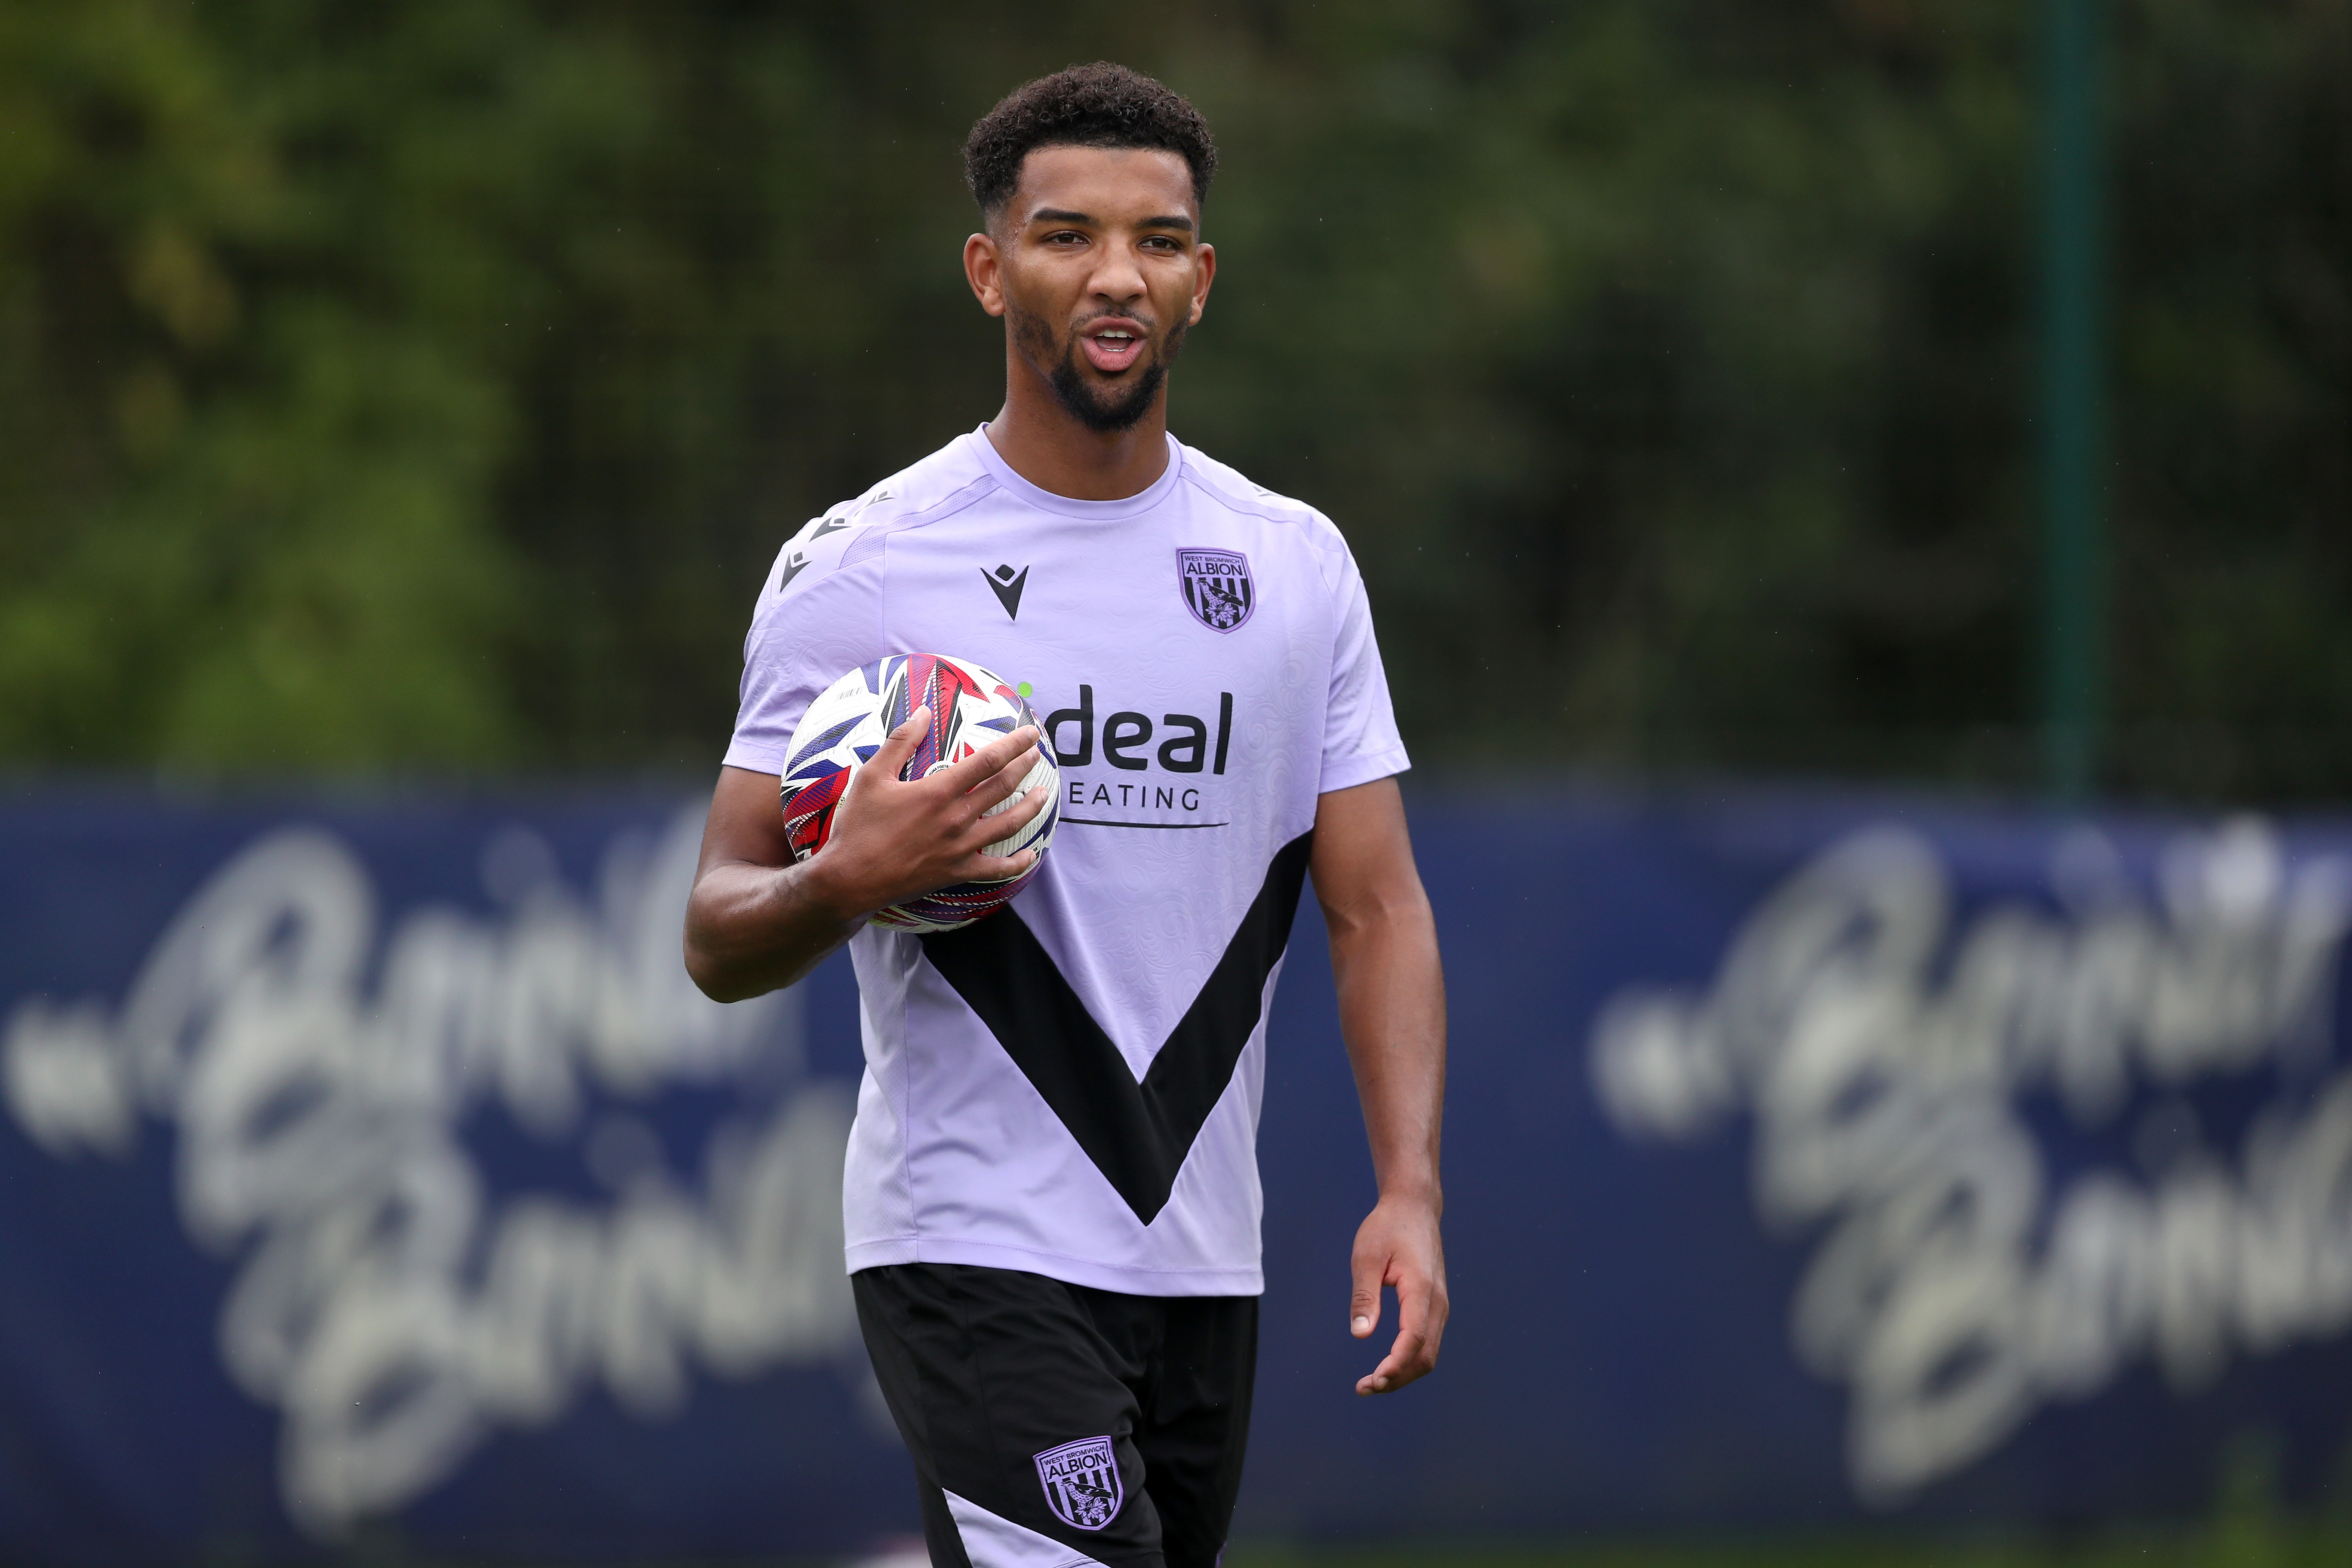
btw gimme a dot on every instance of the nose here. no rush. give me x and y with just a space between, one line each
1117 277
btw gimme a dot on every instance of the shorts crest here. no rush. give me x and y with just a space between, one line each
1081 1482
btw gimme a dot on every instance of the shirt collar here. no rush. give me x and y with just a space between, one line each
1136 505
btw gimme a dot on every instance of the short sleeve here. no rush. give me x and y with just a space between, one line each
1360 742
805 636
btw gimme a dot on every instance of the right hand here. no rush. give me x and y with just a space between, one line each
896 839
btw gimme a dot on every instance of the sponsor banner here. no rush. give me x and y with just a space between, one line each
371 1171
378 1170
1817 1160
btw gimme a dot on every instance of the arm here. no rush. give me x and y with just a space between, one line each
757 920
1392 1014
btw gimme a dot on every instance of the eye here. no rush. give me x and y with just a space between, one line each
1066 237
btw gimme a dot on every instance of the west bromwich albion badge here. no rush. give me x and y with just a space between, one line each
1216 587
1081 1482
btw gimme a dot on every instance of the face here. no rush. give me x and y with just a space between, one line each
1097 263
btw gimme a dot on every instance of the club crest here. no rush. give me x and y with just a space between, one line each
1216 587
1081 1482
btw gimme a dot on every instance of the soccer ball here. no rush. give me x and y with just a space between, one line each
970 708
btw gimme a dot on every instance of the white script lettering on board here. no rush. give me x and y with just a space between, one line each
1889 1062
389 1305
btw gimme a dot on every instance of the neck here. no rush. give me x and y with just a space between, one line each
1039 439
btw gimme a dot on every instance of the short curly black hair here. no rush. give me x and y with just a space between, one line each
1098 105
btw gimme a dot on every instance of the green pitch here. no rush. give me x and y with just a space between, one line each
2222 1543
2231 1541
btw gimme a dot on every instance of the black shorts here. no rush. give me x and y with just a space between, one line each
1053 1424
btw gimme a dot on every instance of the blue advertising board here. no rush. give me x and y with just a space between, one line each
371 1169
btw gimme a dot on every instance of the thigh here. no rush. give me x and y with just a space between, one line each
1019 1413
1196 1423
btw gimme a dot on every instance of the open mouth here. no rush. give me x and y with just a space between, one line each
1113 346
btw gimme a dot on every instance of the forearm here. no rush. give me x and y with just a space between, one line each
1391 995
753 928
760 918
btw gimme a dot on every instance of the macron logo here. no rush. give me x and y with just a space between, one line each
1007 584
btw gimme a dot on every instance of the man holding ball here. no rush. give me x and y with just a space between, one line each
1052 1199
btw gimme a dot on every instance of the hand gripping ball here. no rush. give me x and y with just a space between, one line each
970 708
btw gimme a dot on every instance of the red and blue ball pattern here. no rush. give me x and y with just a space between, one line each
847 724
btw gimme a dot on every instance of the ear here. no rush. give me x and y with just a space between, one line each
983 269
1205 272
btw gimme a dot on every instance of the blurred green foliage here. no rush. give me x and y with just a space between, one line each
426 387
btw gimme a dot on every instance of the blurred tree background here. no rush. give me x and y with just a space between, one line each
426 387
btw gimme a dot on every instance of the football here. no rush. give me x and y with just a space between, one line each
969 707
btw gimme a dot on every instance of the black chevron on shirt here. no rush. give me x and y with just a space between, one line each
1138 1134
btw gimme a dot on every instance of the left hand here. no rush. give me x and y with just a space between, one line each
1397 1246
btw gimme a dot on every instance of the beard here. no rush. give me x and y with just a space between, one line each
1113 409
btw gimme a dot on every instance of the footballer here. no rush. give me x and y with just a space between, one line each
1050 1199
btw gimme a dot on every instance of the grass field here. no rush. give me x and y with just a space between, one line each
2236 1541
2245 1526
2229 1542
2139 1550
